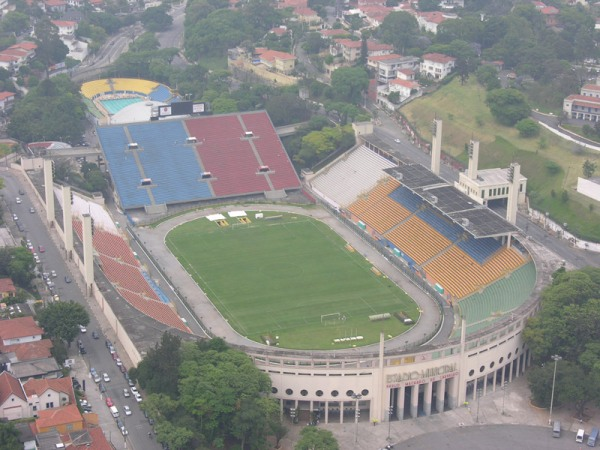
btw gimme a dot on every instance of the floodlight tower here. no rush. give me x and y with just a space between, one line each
49 190
436 145
514 178
473 159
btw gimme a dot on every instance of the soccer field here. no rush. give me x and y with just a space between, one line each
290 277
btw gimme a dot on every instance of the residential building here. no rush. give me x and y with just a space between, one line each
430 20
17 55
19 330
405 88
387 67
281 62
437 65
64 420
45 394
350 50
375 14
7 288
584 106
7 100
28 351
550 14
308 15
13 401
65 27
59 6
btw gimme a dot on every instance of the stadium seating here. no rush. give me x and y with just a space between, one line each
480 249
113 246
123 167
172 183
353 174
155 287
227 156
142 87
160 312
406 198
443 226
503 296
417 239
460 275
160 94
271 151
377 209
92 89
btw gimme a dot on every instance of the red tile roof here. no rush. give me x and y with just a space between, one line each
272 55
64 23
405 83
10 385
433 16
549 10
334 32
384 57
28 351
54 417
6 284
39 386
8 58
27 45
584 100
5 95
438 58
305 11
55 2
99 441
19 327
591 87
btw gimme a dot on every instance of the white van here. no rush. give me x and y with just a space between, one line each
114 411
580 435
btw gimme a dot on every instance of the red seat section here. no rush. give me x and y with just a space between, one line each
271 151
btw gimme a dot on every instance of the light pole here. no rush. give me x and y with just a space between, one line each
504 387
556 359
390 414
356 397
479 394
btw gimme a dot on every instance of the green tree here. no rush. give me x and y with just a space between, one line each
399 28
61 320
488 76
155 372
50 48
313 43
176 438
349 83
20 268
312 438
146 42
9 436
527 128
14 22
157 19
589 167
287 108
508 106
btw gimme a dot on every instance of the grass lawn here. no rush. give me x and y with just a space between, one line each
213 62
465 116
278 277
6 149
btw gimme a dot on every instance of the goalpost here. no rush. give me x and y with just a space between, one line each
332 319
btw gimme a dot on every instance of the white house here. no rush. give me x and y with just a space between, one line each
387 67
437 65
49 393
430 20
19 330
65 27
13 401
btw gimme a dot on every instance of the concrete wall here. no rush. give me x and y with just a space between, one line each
589 188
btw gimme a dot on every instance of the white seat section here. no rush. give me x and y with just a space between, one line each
350 175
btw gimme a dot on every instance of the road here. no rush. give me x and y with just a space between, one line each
97 354
173 37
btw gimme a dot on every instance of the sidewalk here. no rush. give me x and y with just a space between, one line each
517 411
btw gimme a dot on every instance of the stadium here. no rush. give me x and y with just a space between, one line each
476 277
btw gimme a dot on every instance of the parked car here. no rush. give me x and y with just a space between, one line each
123 369
32 210
82 328
134 390
105 377
126 393
41 248
18 201
109 402
126 410
102 388
67 279
138 398
95 334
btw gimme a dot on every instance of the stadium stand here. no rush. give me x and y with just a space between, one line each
501 297
446 228
417 239
92 89
171 183
270 150
377 209
406 198
123 167
354 173
160 312
113 246
229 158
133 85
160 94
460 275
155 287
480 249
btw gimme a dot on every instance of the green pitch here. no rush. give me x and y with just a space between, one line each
290 277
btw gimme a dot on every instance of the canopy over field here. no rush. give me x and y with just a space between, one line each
290 276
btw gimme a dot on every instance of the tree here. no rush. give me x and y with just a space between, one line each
399 28
50 48
349 83
287 108
313 438
589 167
14 22
313 43
146 42
61 320
9 436
508 106
567 326
528 128
176 438
488 76
156 18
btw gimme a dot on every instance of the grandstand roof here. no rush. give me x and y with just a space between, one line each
480 220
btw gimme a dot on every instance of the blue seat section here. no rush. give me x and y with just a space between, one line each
122 166
446 228
480 249
160 94
406 198
156 288
172 165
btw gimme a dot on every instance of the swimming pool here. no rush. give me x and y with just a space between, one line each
116 105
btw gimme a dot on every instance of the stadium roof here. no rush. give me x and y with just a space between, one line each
475 218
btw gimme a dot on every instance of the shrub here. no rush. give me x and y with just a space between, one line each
528 128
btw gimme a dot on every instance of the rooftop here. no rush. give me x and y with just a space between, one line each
10 385
18 328
48 418
438 58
